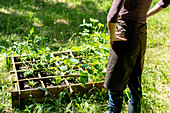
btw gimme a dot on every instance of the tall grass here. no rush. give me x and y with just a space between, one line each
156 87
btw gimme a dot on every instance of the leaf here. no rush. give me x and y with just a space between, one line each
2 47
100 25
98 52
90 71
52 60
63 68
98 67
103 75
74 60
84 79
93 20
67 62
25 86
68 107
31 106
32 83
64 56
44 89
32 30
95 62
50 108
82 72
78 64
84 65
76 48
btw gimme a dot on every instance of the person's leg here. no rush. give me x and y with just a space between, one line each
115 101
135 87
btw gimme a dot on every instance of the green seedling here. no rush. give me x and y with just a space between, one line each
57 80
32 83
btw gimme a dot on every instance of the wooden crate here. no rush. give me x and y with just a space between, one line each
43 79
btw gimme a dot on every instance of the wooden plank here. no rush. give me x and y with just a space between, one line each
71 54
81 88
16 75
14 95
58 53
99 84
42 83
19 93
36 92
17 63
56 90
71 90
33 93
15 104
48 77
55 53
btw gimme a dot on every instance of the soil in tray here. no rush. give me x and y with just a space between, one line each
61 54
23 67
22 75
68 55
45 74
30 84
17 59
73 80
19 66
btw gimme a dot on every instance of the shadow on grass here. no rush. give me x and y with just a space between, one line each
55 20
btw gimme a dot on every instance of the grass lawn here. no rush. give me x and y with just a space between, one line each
55 24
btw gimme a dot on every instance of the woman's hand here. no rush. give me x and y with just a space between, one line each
113 35
116 38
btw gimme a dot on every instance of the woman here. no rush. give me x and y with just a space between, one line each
128 44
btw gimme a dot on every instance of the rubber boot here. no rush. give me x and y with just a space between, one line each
134 108
115 101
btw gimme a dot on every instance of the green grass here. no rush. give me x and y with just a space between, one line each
156 73
57 21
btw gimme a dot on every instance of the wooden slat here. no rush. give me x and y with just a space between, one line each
33 93
42 83
14 95
14 68
83 88
19 92
99 84
58 53
48 77
56 90
17 63
55 53
36 92
71 90
15 103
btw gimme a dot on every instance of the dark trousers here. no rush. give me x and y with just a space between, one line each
125 64
116 97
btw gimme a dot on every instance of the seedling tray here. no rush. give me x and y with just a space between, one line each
27 82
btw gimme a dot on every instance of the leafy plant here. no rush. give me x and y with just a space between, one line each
32 83
57 80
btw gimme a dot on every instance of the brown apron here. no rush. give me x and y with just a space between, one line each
126 57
